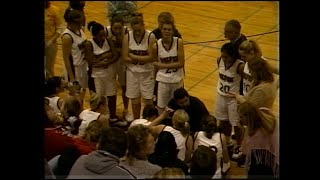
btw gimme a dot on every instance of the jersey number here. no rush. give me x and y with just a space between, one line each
171 70
246 87
224 89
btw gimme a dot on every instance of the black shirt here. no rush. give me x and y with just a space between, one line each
238 42
196 111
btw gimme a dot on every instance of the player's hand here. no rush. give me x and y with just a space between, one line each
157 64
167 109
232 94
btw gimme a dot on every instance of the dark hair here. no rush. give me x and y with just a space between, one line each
165 15
231 50
165 149
52 84
168 20
66 160
72 106
77 5
210 125
203 162
71 14
95 27
137 18
235 24
149 111
113 140
116 18
180 93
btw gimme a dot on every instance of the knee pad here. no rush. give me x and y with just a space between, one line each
148 102
135 100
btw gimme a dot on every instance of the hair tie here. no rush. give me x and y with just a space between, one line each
91 29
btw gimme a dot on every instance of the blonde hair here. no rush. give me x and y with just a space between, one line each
96 100
169 173
181 121
257 118
249 46
93 131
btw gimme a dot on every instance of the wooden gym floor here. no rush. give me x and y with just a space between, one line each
197 22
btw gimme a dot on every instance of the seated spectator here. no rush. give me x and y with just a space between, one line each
166 153
62 164
103 163
97 111
210 137
203 163
140 145
149 114
56 139
181 132
170 173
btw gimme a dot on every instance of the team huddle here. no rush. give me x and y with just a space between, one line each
150 65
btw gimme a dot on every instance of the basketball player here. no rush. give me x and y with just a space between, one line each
169 53
101 54
163 16
79 5
249 50
54 86
137 53
229 80
232 31
116 32
73 49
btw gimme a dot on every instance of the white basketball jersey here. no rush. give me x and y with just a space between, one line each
141 49
77 51
144 122
87 116
201 139
247 78
102 72
169 56
229 79
53 103
180 141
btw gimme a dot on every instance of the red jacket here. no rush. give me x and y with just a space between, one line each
55 142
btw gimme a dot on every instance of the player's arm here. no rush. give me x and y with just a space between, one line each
125 49
240 68
155 52
174 65
148 58
66 51
115 54
94 61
